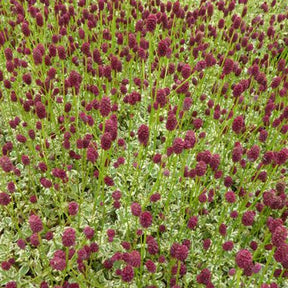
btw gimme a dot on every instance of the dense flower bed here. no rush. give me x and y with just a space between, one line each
143 143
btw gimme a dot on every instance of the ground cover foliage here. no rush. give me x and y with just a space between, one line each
143 143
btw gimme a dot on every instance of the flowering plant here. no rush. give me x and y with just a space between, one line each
143 143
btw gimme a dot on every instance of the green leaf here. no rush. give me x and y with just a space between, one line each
23 271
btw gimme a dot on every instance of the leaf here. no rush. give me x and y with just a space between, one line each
23 271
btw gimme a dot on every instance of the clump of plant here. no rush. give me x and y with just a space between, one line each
143 143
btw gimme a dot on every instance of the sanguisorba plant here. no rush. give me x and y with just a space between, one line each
143 143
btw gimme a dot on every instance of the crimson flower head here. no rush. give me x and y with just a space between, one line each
89 232
237 90
276 82
134 259
192 223
37 56
253 153
39 19
35 223
6 164
178 145
150 265
201 168
206 244
186 71
171 122
223 229
151 22
238 124
25 29
228 245
11 284
8 54
279 236
127 273
106 141
69 237
136 209
153 247
27 78
228 66
143 134
237 153
162 48
190 139
6 265
187 103
40 110
280 254
58 263
204 277
146 219
197 123
105 106
243 259
61 52
74 78
230 197
73 208
182 252
4 199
